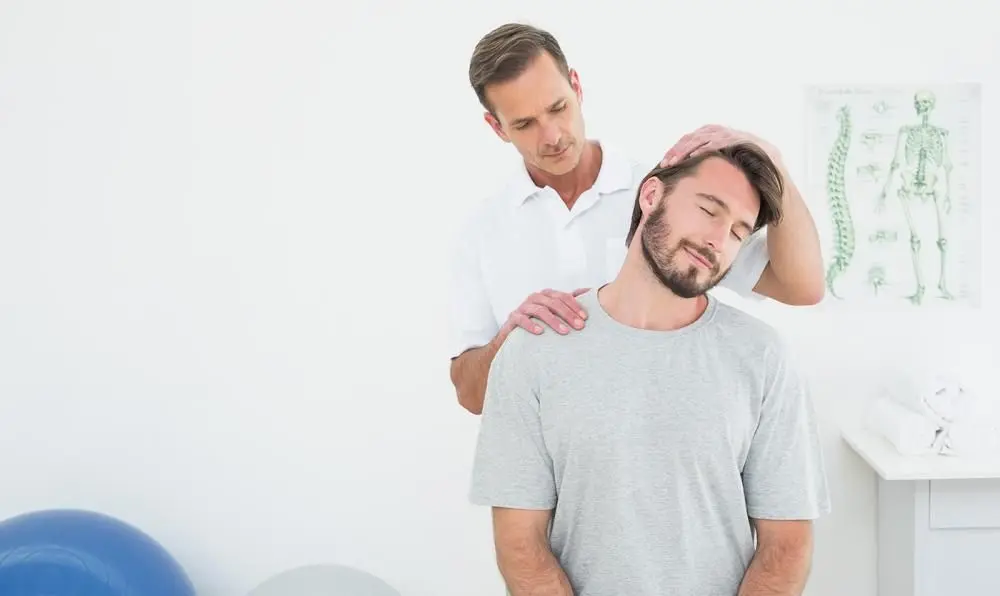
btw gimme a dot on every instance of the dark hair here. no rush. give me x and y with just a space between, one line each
755 164
506 52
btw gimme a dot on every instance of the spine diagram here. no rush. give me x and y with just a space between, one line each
840 210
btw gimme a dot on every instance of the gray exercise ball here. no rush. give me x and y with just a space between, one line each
324 580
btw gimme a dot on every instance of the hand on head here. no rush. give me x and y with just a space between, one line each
559 310
709 138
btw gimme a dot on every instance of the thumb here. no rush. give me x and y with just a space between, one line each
579 291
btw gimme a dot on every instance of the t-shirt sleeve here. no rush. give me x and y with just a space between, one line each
748 266
784 475
512 466
471 323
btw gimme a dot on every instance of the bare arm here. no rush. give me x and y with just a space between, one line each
469 371
783 559
524 556
794 273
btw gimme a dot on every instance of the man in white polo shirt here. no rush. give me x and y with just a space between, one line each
559 225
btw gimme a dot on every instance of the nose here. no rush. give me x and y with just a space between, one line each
551 134
716 238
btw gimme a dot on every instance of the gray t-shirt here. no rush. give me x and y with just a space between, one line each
653 448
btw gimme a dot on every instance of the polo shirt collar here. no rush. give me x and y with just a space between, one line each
615 174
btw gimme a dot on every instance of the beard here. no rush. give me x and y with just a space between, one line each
685 281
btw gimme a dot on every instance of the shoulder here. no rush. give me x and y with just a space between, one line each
521 347
752 335
552 354
622 166
519 355
486 208
756 348
487 213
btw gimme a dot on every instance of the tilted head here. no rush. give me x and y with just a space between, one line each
531 96
923 102
696 214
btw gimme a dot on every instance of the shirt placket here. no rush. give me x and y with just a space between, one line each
571 250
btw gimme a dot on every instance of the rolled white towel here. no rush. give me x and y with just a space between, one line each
909 432
932 394
975 429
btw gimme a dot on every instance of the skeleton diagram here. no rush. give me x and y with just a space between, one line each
921 157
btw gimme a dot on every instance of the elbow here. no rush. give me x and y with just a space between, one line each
812 293
808 289
801 294
803 287
468 397
807 286
467 400
815 290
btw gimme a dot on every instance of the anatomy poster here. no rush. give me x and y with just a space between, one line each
894 187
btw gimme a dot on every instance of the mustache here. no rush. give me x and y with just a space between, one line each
703 252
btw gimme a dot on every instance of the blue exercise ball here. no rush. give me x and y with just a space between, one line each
82 553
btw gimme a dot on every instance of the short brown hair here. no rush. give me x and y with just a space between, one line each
506 52
764 177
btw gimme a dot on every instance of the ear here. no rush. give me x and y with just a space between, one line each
650 194
496 126
574 82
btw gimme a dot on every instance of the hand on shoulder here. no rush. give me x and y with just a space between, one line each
560 311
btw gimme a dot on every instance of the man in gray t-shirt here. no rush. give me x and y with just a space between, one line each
670 446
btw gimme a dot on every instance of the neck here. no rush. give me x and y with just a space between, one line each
574 183
636 298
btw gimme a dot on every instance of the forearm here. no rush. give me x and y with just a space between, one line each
794 249
532 570
777 571
469 372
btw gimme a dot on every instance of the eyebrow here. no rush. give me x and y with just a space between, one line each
551 106
723 205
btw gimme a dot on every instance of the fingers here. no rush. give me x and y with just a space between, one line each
545 314
558 310
523 321
685 149
567 307
706 138
680 149
579 291
559 307
672 153
706 145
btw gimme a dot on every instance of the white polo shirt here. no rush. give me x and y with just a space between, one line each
524 239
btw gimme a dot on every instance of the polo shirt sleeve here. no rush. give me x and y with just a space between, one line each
470 315
784 476
748 266
512 466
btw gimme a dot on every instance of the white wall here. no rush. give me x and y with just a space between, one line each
222 250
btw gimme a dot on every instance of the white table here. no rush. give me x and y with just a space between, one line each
938 520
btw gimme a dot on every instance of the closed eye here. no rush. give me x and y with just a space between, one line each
734 234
